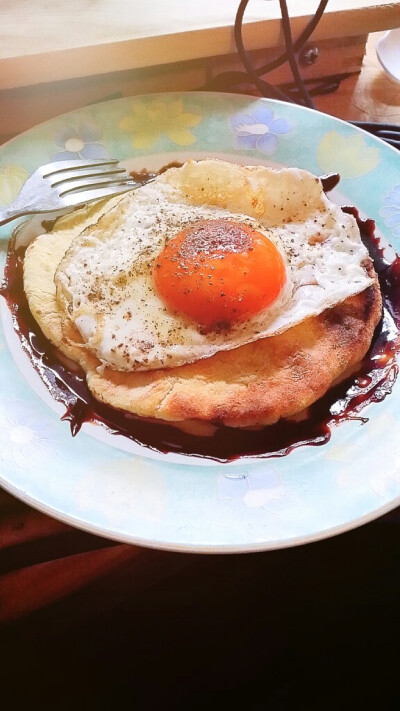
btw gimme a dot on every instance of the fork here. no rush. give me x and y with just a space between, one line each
67 184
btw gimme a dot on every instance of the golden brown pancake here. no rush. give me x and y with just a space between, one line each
258 383
252 385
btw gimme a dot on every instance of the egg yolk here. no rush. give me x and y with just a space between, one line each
219 272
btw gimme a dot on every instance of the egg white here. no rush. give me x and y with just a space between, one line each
105 285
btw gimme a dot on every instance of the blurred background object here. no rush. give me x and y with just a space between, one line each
388 52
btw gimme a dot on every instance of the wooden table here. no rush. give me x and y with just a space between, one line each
57 58
370 95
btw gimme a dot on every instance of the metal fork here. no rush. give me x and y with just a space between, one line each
66 184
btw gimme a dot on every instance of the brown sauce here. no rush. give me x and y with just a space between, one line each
372 383
143 176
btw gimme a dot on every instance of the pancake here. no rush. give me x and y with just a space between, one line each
252 385
258 383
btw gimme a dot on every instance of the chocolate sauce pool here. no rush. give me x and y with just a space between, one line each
371 383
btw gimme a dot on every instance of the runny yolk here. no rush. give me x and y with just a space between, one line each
219 272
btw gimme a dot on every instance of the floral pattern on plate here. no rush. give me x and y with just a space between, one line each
81 142
347 155
25 442
12 177
391 210
149 120
259 129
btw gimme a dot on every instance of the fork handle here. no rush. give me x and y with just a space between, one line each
8 214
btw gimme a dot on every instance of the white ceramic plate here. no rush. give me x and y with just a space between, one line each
110 486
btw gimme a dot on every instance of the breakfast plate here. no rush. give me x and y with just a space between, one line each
117 487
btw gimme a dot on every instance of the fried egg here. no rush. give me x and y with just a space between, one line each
207 258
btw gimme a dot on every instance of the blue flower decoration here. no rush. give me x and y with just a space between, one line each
80 143
259 129
391 210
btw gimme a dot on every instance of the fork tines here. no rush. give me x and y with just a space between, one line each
78 164
73 176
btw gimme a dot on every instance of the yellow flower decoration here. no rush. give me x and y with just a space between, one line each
134 488
347 155
149 120
12 178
